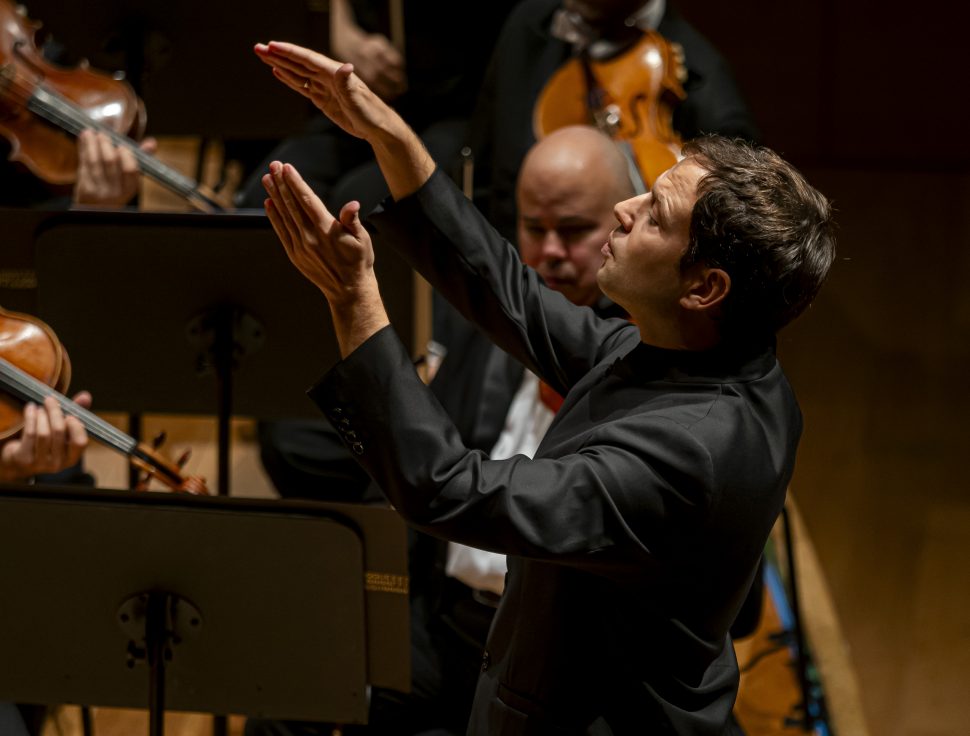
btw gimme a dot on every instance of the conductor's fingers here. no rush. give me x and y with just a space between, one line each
296 82
276 220
350 218
300 57
296 68
297 214
284 224
342 77
315 210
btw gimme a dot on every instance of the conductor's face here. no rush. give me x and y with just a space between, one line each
641 271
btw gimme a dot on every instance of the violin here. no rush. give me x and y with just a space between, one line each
630 97
43 108
35 365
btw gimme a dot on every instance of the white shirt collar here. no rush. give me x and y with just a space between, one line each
570 27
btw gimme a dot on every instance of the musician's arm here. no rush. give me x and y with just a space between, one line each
345 34
373 55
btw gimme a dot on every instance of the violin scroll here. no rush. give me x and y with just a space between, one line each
153 465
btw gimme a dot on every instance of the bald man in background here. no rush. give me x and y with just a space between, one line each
567 187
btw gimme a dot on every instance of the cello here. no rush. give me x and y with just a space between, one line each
34 365
43 107
630 97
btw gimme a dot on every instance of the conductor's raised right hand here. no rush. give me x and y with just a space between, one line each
344 98
331 86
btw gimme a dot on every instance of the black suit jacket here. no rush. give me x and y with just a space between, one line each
634 533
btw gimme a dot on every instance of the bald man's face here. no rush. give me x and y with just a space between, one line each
565 217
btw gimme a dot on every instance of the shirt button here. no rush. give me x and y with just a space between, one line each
486 660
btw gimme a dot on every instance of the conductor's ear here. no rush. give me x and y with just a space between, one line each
705 289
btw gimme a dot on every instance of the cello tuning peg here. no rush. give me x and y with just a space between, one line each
159 440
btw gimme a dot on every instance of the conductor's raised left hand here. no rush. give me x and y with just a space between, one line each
334 253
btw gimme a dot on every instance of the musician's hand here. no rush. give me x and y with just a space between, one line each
331 85
49 441
107 175
194 484
379 65
335 254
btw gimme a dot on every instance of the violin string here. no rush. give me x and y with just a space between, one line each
64 114
60 111
26 387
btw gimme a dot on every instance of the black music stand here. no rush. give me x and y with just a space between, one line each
192 314
265 608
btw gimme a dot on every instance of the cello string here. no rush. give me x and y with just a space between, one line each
28 388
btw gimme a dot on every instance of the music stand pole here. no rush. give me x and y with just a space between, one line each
155 639
223 336
223 348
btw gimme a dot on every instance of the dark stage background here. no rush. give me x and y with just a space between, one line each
867 98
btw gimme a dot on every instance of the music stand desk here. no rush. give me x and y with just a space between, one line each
279 609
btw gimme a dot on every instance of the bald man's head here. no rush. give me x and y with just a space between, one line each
568 184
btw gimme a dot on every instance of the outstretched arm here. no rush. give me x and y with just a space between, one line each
335 254
344 98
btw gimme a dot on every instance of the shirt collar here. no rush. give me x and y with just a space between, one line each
728 362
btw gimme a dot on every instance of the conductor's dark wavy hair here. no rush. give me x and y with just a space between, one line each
759 220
